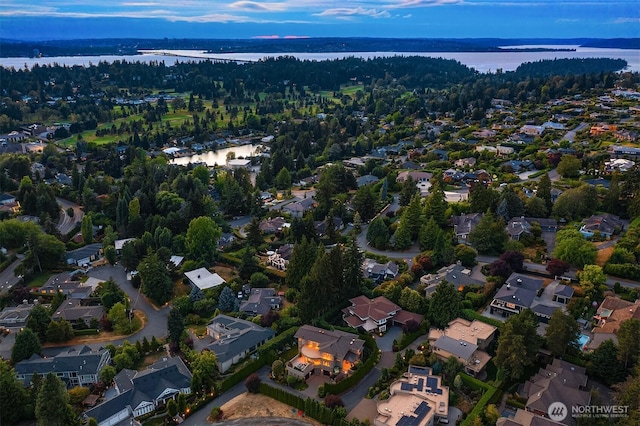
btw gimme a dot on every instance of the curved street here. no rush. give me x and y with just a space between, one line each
67 223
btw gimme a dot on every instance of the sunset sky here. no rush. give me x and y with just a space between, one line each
68 19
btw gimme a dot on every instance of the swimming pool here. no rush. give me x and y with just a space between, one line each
582 341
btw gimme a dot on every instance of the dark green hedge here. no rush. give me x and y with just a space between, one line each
490 395
86 332
470 314
309 406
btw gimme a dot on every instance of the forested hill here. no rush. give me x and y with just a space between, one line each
549 67
16 48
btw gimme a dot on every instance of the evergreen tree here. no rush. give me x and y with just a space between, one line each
156 282
13 396
413 217
605 365
364 202
378 234
175 326
544 191
562 333
254 234
353 277
52 405
482 199
87 229
436 205
248 264
407 191
518 343
444 305
228 302
402 236
429 233
38 321
489 236
302 259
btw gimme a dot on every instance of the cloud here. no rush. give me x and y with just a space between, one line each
344 12
408 15
627 21
258 7
403 4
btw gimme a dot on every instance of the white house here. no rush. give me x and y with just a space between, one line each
203 279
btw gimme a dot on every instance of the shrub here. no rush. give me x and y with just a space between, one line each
332 401
215 414
253 383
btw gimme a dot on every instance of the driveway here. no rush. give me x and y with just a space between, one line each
385 343
66 222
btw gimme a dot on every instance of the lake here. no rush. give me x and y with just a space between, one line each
481 61
219 157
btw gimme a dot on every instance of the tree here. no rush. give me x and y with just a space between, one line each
402 236
77 394
514 259
333 401
444 305
411 300
26 344
277 369
353 278
302 259
491 414
202 238
107 374
92 422
254 234
175 326
429 233
38 321
129 256
182 403
248 263
52 405
120 319
557 267
605 363
510 205
544 192
482 199
111 255
628 395
572 248
536 207
283 179
228 302
591 278
13 396
87 229
172 408
489 235
518 343
378 234
569 167
59 331
576 203
407 191
629 342
253 383
258 280
413 216
156 283
465 254
364 203
436 205
562 333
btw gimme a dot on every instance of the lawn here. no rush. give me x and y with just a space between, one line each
39 280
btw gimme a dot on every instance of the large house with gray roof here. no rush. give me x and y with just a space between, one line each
76 367
235 339
142 392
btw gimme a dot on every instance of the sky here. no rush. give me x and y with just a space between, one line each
73 19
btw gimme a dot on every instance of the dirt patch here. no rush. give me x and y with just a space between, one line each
603 256
226 272
250 405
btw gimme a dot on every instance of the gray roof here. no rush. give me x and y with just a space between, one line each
335 342
516 295
73 310
238 336
146 385
260 301
525 282
465 223
459 348
457 275
83 252
84 359
564 290
544 310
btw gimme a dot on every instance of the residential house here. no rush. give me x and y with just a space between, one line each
466 341
502 150
374 315
238 164
78 314
203 279
465 162
604 224
526 418
417 398
7 199
279 259
273 225
463 225
83 256
366 180
68 284
225 240
611 313
118 244
76 367
563 294
418 177
519 166
619 164
521 226
379 272
559 381
16 316
517 294
235 339
457 275
142 392
261 301
324 352
299 208
532 130
621 151
321 226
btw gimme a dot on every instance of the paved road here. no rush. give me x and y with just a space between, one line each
571 134
156 319
8 278
265 421
67 223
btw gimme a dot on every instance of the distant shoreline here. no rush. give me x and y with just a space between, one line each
131 46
